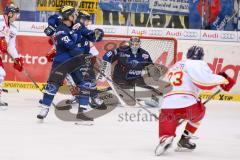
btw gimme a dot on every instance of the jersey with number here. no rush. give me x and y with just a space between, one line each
66 46
9 31
187 78
129 66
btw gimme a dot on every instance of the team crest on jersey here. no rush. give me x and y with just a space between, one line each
134 63
145 56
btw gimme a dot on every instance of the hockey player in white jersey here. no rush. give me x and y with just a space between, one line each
8 43
187 77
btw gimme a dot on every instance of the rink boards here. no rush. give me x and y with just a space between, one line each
221 53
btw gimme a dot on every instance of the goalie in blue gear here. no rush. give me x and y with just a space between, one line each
131 61
68 46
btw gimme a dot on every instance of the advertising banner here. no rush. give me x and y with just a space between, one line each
170 6
136 6
90 6
33 50
211 14
221 53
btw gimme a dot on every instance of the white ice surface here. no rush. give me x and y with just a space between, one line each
23 138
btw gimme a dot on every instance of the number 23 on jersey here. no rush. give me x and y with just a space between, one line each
176 78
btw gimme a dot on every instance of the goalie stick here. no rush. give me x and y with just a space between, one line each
137 101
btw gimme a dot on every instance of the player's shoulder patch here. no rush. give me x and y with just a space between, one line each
145 56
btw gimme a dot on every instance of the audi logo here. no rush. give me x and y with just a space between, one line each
190 34
109 30
156 32
227 36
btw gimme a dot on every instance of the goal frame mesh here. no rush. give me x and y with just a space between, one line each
150 38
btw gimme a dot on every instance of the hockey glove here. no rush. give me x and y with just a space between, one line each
231 82
18 64
3 45
51 55
156 71
99 34
49 31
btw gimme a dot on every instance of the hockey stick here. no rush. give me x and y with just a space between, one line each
24 71
212 96
130 96
28 76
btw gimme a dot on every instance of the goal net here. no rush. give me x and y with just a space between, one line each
163 50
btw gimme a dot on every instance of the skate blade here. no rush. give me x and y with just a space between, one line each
160 150
181 149
84 123
40 121
3 108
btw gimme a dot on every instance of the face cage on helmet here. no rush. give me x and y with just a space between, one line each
134 47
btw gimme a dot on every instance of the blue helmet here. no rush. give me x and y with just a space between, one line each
195 53
11 8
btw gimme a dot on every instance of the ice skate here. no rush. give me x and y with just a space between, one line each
153 102
43 112
164 144
82 118
3 106
185 144
97 103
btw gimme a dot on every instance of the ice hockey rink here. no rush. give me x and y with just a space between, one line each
112 137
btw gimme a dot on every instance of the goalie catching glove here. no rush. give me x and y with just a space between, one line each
99 34
18 64
231 82
155 71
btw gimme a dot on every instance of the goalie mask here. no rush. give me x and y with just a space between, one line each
134 43
195 53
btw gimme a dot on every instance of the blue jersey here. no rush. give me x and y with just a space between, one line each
84 36
128 65
66 46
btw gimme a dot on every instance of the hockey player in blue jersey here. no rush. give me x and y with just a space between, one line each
130 62
83 20
67 47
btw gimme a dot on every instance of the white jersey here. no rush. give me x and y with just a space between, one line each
9 32
187 78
